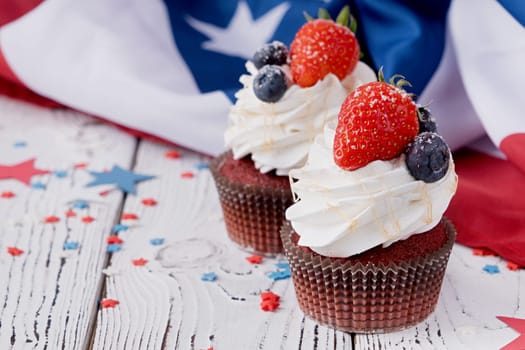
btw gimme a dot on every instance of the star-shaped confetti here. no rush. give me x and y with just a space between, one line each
80 204
119 227
72 245
7 194
254 259
21 171
187 175
112 248
139 262
60 173
38 185
491 269
519 326
150 202
156 241
129 216
209 276
14 251
513 266
52 219
114 239
283 272
88 219
70 213
109 303
122 178
269 301
172 154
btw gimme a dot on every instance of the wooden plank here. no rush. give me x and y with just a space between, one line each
49 295
165 304
465 317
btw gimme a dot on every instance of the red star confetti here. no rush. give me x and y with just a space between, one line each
513 266
139 262
114 239
104 193
21 171
88 219
270 296
14 251
519 326
269 301
70 213
109 303
52 219
129 216
254 259
7 194
150 202
172 154
80 166
187 175
483 252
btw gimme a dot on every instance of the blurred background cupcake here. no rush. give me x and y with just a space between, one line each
287 97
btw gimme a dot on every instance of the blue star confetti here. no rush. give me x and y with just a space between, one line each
209 276
119 227
38 185
122 178
81 204
282 272
60 174
491 269
71 245
112 248
157 241
201 166
19 144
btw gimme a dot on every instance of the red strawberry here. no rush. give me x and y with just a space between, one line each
323 46
376 122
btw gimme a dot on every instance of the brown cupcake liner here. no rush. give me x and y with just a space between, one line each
371 298
253 214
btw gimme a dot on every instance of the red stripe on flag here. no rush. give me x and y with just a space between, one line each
489 206
513 146
13 9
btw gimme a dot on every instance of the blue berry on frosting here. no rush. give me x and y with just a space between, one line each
427 157
270 83
273 53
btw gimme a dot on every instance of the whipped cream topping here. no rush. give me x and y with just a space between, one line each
341 213
278 135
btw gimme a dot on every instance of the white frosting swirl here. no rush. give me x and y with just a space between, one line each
340 213
278 135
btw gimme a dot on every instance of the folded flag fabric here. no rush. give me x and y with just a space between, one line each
169 69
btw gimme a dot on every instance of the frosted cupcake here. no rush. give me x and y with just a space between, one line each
366 238
285 101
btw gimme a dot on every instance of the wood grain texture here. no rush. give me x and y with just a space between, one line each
48 295
165 304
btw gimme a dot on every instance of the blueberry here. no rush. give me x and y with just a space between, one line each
273 53
427 157
426 122
270 84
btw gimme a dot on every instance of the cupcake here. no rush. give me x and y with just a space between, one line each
366 238
286 99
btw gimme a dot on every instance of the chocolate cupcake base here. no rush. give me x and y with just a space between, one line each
368 293
253 204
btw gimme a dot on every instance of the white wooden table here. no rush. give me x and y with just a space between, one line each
51 294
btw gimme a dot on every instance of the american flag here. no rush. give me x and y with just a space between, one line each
169 69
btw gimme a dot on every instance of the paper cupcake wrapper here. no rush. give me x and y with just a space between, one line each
371 298
253 214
